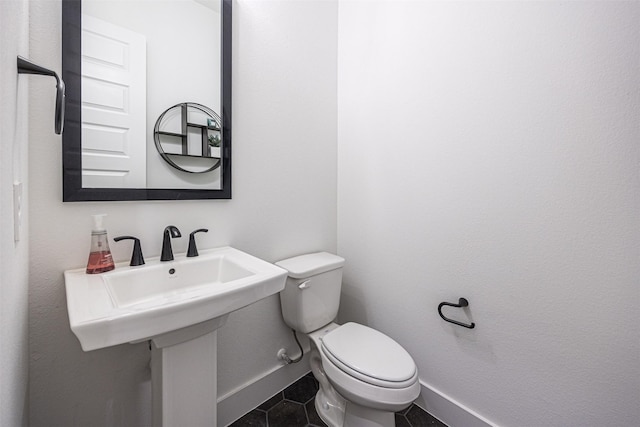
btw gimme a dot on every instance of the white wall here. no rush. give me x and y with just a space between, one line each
490 150
284 203
14 357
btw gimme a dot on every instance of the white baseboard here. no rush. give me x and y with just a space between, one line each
448 410
248 396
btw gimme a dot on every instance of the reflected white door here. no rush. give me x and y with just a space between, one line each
114 70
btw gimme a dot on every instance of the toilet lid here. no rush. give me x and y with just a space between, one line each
370 354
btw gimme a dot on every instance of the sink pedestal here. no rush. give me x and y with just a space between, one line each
184 376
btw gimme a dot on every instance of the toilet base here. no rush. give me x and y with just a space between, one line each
351 414
329 404
331 411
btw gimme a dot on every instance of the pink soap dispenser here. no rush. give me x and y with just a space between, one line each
100 259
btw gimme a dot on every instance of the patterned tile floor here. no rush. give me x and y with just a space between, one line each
294 407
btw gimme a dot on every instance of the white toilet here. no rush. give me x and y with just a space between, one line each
364 375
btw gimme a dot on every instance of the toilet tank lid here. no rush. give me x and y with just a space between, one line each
309 265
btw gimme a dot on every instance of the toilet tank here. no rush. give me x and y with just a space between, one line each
311 295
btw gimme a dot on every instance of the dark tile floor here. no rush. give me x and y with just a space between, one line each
294 407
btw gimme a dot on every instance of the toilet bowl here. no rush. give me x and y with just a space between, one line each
371 375
364 375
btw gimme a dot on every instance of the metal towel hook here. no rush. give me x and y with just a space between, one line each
27 67
462 302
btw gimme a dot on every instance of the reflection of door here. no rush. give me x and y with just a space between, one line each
113 106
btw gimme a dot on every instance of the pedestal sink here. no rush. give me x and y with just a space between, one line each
177 305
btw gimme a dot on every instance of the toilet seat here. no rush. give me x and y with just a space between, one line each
370 356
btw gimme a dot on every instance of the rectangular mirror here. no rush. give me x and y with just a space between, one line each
148 86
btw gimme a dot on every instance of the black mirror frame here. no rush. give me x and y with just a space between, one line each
72 135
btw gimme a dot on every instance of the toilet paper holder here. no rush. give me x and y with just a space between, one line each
462 302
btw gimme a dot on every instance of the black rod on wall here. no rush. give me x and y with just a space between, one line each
28 67
462 302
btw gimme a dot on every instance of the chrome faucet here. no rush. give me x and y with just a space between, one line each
169 232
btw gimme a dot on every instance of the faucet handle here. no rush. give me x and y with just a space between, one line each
193 251
136 256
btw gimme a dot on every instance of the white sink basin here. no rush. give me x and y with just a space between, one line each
130 304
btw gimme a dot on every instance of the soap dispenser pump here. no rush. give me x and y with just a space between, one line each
100 259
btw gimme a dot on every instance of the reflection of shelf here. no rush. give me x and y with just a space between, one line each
177 135
190 155
194 125
189 125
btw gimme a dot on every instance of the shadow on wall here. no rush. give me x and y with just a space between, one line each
475 344
352 301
